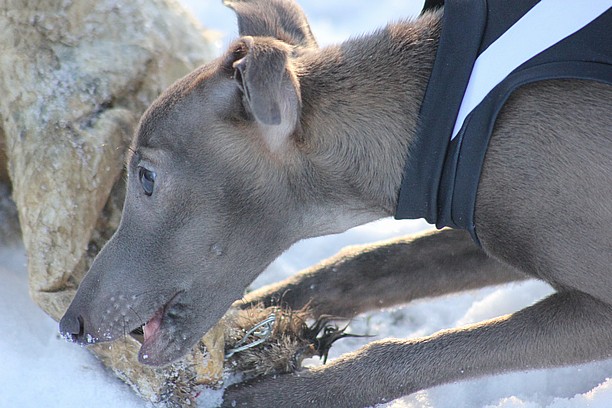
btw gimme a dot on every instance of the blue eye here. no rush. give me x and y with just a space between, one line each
147 180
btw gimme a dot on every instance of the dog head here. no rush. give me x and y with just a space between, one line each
219 185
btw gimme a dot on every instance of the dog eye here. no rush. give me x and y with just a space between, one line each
147 180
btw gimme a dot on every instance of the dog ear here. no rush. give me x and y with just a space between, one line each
280 19
269 87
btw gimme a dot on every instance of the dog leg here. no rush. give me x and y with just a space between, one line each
367 277
565 328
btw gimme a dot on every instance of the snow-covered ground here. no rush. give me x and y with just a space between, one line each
38 369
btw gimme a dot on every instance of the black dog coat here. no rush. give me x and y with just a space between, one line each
487 49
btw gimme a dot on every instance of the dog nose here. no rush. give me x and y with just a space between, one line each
71 326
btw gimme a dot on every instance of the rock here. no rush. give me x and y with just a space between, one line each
75 76
10 232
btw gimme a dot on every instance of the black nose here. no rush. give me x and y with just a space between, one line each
71 326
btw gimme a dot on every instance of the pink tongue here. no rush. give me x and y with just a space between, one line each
152 326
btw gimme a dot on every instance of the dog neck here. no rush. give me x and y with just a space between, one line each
361 101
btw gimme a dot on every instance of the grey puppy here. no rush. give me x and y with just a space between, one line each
279 140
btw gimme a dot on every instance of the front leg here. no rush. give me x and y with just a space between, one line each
367 277
566 328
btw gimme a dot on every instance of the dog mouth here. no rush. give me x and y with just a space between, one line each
158 334
150 332
151 329
164 337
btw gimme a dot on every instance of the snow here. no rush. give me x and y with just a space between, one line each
41 369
